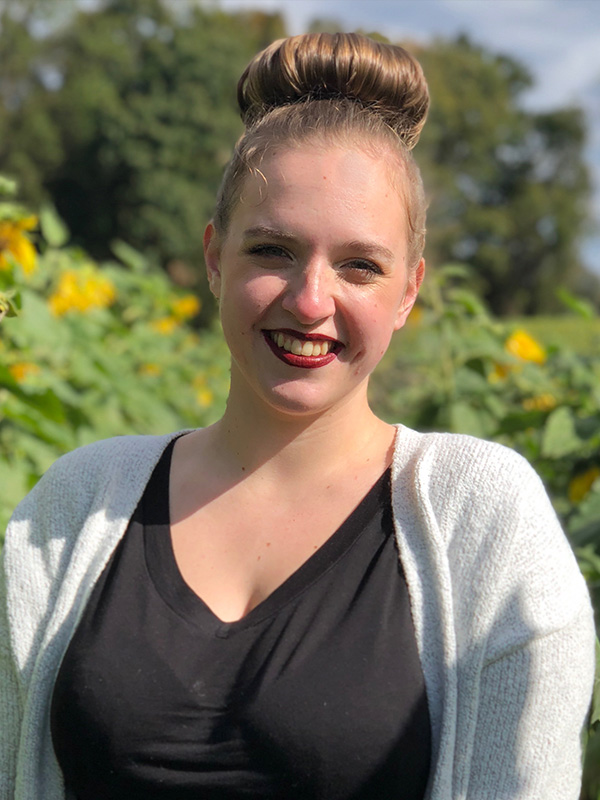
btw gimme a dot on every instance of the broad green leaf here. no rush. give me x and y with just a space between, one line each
53 228
589 562
496 406
43 400
10 303
469 382
464 419
129 256
520 420
8 187
469 301
560 437
34 423
584 525
578 305
13 483
455 270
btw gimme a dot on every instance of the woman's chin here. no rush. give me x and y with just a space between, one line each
297 405
306 402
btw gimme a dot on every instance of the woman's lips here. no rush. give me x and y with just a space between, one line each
306 351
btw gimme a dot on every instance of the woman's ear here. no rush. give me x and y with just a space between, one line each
412 290
212 258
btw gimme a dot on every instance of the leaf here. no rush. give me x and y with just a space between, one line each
8 187
560 437
10 303
516 421
464 419
578 305
44 401
470 382
469 300
129 256
584 526
455 270
53 228
589 563
12 481
496 406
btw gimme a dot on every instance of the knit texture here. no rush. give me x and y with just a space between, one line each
502 616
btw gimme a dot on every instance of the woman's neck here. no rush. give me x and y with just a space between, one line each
254 436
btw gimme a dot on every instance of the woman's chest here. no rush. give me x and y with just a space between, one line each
236 550
316 692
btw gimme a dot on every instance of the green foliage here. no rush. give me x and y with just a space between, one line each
132 140
564 332
508 187
98 351
126 115
461 370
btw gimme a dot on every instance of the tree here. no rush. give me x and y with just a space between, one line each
131 139
509 188
127 115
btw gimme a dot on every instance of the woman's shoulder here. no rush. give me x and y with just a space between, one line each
105 472
463 463
475 491
94 460
485 507
115 448
481 509
81 504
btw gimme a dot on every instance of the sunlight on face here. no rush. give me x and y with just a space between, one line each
316 247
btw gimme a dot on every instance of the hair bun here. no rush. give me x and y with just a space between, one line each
317 66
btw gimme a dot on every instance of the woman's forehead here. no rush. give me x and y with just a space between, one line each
330 195
338 177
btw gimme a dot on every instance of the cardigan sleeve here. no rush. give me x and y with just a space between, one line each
10 712
515 625
538 666
30 575
58 540
533 704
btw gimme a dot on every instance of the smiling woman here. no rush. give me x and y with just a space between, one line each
290 603
317 257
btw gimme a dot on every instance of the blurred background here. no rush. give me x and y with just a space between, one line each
116 120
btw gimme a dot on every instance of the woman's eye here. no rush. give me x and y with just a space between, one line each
267 251
366 269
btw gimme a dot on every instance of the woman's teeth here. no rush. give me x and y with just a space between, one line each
300 348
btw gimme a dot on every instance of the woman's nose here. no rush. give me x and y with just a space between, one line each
309 295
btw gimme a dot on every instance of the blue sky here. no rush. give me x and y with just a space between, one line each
558 40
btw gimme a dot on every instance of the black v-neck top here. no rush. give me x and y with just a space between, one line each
317 693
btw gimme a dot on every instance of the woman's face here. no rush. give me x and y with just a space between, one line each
312 277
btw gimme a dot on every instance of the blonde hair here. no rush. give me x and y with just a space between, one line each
342 88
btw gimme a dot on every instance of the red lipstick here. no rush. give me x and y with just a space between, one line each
303 362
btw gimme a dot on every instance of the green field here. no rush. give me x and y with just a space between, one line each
580 335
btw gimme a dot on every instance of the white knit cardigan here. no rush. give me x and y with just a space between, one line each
502 616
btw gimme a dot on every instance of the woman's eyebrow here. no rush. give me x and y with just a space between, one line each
371 249
259 231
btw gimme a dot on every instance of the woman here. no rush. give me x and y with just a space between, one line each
301 600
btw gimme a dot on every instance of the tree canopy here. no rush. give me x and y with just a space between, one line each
126 119
125 116
509 188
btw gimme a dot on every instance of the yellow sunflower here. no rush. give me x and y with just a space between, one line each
15 244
